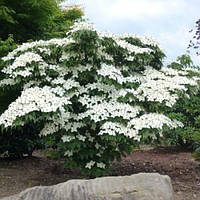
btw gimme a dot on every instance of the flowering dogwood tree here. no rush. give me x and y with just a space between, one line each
92 93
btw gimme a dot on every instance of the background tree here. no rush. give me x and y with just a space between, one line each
35 19
62 21
195 42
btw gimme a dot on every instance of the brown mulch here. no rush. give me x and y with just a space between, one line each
179 165
17 175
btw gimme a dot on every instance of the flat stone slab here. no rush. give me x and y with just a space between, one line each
142 186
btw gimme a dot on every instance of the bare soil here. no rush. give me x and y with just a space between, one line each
17 175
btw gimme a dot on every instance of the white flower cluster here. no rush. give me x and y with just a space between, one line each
146 121
99 110
97 86
173 72
49 129
147 40
32 99
112 128
113 73
67 138
30 84
22 61
101 165
153 121
81 137
107 34
8 81
90 164
162 86
131 48
70 83
68 153
197 70
41 43
46 51
78 26
73 127
109 90
57 123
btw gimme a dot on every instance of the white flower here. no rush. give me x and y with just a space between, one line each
81 26
49 129
8 81
131 48
41 43
112 128
113 73
147 40
68 153
81 138
97 145
67 138
90 164
22 61
101 165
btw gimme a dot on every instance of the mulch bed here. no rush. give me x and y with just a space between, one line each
17 175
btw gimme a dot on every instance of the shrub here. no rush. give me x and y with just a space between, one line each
186 109
14 143
95 95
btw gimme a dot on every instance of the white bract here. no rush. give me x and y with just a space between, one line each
90 164
8 81
91 85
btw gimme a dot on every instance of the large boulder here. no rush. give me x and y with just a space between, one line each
143 186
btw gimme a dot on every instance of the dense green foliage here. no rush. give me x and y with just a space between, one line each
186 110
20 142
35 19
26 19
5 47
62 22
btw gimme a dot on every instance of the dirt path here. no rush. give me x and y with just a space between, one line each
17 175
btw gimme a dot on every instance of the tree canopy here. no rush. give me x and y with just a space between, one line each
35 19
93 95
